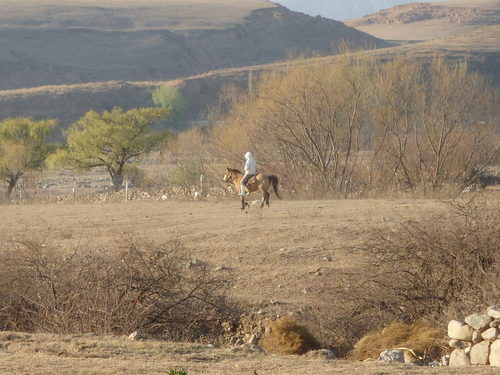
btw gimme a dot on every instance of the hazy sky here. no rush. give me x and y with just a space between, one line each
342 9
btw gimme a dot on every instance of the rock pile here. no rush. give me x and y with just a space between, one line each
476 341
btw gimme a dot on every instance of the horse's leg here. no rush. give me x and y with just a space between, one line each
267 198
263 200
242 203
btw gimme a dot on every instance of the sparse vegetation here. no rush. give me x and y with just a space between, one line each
177 372
356 127
110 291
432 270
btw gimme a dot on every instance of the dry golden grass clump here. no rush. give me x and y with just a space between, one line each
286 336
426 342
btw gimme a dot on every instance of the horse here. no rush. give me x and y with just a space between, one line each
260 182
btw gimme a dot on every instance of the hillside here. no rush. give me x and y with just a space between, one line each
47 42
480 48
426 21
121 67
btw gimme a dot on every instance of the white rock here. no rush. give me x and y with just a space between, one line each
458 344
490 334
459 358
445 360
495 353
478 321
137 335
392 355
479 353
494 311
459 330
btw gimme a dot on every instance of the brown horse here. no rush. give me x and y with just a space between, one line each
260 182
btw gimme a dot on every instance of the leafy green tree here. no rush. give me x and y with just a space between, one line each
23 147
111 140
170 97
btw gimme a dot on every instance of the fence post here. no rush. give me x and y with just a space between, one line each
126 191
201 185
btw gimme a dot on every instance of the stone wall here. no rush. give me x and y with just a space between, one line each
476 340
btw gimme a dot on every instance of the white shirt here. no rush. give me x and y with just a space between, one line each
250 166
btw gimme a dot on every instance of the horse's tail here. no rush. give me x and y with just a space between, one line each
275 181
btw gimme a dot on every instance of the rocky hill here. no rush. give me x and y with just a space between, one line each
63 71
47 42
426 21
480 48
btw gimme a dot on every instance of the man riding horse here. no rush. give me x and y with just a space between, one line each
252 181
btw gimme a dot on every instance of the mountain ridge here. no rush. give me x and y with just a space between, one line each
427 21
68 99
45 56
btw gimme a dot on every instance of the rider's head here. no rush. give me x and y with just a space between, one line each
248 155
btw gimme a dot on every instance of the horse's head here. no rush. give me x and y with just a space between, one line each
230 174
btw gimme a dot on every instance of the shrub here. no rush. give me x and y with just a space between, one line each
434 270
425 341
286 336
357 127
177 372
137 286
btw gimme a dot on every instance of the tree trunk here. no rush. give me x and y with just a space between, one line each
117 181
12 184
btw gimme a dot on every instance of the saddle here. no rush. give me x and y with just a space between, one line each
250 180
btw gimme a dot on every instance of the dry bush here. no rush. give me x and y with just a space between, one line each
354 127
108 291
432 125
286 336
436 270
190 157
304 124
426 342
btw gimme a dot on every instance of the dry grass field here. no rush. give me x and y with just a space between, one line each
272 254
42 354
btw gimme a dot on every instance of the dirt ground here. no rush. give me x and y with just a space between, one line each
275 256
40 354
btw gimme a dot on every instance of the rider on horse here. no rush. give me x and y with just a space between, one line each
250 171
